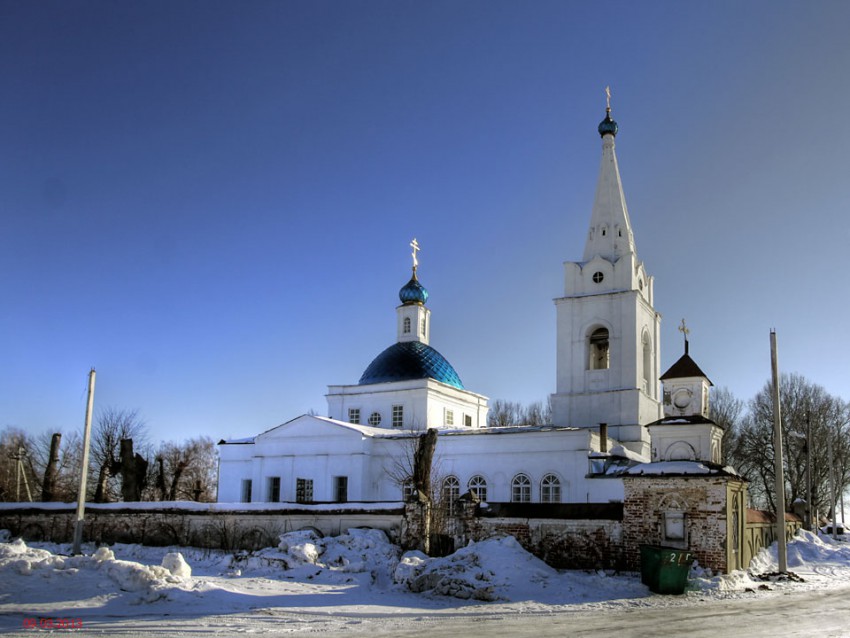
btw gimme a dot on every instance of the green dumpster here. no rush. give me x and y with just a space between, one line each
665 569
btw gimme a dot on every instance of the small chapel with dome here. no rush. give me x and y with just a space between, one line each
608 407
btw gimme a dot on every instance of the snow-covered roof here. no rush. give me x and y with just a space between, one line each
619 450
679 468
385 433
244 441
512 429
687 419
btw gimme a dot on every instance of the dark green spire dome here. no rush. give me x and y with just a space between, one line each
608 126
413 292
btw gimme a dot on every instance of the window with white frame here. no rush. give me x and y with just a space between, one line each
375 419
303 490
478 487
449 417
521 489
450 494
354 415
467 420
406 325
246 490
550 489
398 416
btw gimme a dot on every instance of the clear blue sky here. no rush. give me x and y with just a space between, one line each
211 202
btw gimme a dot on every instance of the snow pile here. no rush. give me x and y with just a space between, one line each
150 582
358 551
493 569
806 552
703 580
301 546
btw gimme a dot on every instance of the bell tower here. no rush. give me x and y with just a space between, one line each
607 328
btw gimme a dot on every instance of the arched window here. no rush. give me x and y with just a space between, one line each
450 494
598 348
478 487
550 489
406 325
521 489
647 364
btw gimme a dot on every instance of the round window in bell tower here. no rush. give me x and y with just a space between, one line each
598 277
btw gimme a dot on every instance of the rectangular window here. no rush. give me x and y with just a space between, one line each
303 490
274 489
398 416
521 493
354 415
341 489
467 420
246 490
450 417
550 493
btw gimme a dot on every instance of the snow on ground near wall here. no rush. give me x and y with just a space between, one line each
356 575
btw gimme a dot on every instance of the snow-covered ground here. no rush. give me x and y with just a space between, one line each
360 584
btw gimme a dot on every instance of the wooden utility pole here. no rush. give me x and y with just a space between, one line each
81 495
832 499
777 457
809 504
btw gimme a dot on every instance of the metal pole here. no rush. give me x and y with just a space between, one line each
782 553
81 495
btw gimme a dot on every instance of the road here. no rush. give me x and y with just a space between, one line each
824 613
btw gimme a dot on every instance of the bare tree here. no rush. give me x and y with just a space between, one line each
726 410
66 464
187 471
510 413
51 471
803 405
113 426
17 471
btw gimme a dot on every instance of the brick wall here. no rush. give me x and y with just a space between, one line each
703 500
213 529
561 542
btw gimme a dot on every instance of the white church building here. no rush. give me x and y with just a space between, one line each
607 393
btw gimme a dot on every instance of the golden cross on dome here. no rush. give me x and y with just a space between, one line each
415 245
607 98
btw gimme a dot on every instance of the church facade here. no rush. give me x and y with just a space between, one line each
608 390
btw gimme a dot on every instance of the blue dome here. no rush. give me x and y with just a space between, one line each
413 292
410 360
608 126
